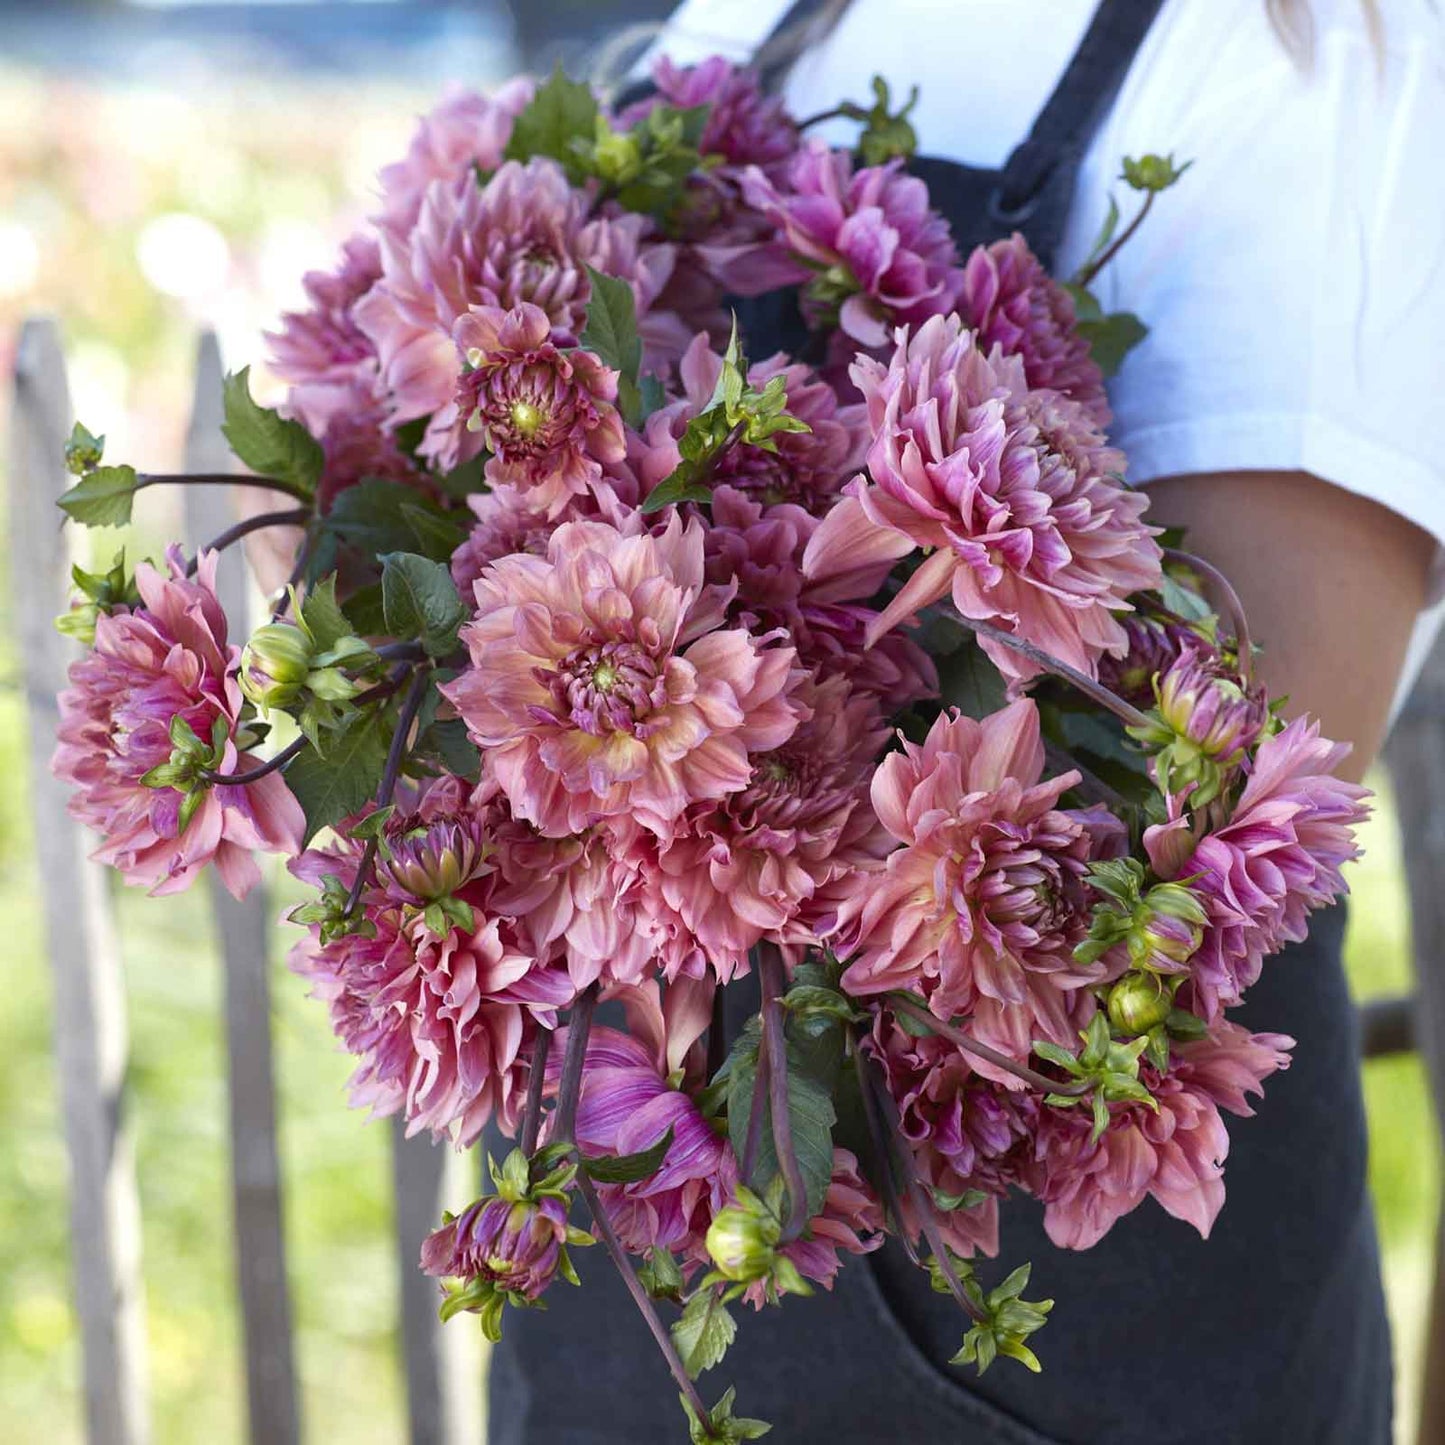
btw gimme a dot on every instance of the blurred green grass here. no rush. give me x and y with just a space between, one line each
336 1171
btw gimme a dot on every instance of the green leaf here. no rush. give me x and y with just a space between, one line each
419 599
722 1427
363 611
377 516
969 681
269 444
102 498
323 615
443 746
703 1332
1111 338
331 787
660 1276
561 111
83 451
680 485
628 1168
1184 601
611 329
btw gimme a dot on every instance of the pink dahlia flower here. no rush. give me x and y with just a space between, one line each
515 1244
1011 302
441 1024
1153 647
165 659
872 251
1275 861
602 685
773 859
524 236
547 416
1175 1154
328 359
1014 492
980 908
465 130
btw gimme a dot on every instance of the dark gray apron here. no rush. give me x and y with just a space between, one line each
1271 1333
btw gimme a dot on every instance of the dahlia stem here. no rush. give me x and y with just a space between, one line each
755 1118
293 518
837 113
883 1152
220 479
639 1295
970 1045
770 962
396 755
579 1025
536 1081
271 765
1100 694
401 652
1225 588
1085 274
717 1039
923 1207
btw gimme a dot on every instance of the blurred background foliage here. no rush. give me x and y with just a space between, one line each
168 167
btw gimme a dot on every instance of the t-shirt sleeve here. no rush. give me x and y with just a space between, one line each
1294 280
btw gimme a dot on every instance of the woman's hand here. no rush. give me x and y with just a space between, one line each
1331 583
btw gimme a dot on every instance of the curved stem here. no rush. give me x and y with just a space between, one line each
837 113
579 1025
220 479
536 1080
271 765
883 1152
639 1295
971 1045
295 517
1221 584
1087 273
1126 712
770 961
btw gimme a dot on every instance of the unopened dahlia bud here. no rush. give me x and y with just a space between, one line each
431 860
1168 928
1196 701
1154 646
742 1241
275 664
1139 1002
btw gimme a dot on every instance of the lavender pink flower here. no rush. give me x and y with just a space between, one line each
515 1244
167 658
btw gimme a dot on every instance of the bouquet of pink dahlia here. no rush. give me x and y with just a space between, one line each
614 666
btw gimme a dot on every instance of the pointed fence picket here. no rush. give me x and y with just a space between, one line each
441 1366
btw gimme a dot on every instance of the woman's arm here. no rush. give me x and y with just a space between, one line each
1331 583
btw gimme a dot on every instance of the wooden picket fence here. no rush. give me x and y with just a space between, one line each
442 1380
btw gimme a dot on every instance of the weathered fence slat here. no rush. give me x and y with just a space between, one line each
89 1001
1416 758
243 929
443 1364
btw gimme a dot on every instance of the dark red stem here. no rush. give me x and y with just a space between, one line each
295 517
536 1083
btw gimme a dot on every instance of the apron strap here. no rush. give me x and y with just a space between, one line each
1072 114
803 24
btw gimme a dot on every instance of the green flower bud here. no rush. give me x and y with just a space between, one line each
1152 173
1139 1002
741 1242
83 451
275 665
616 155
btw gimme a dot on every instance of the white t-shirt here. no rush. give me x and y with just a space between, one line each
1293 281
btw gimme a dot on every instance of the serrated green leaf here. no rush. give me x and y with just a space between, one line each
323 615
342 782
611 329
420 600
446 746
376 516
1184 601
1111 338
703 1332
628 1168
561 111
268 443
678 486
102 498
969 681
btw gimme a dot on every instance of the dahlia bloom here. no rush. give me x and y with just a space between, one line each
546 415
515 1245
1011 302
1275 861
981 906
773 859
602 685
167 658
328 359
523 236
441 1024
807 468
874 253
1175 1154
465 130
1153 645
1013 491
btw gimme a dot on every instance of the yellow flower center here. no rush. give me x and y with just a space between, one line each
526 419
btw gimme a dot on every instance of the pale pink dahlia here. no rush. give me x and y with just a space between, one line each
873 253
168 658
602 685
1013 491
547 415
1275 861
1011 302
440 1023
773 859
525 235
1175 1154
464 131
980 908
